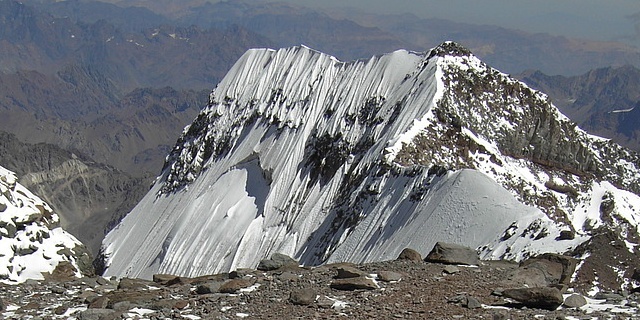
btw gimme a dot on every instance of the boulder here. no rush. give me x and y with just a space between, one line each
96 314
349 272
166 279
234 285
575 301
548 269
538 297
302 297
389 276
133 284
354 284
449 253
277 261
409 254
449 269
208 287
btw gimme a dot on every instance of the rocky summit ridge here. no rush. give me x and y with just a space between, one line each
32 245
330 161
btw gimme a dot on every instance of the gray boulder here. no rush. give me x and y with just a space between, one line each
452 254
575 301
548 269
277 261
96 314
302 297
538 297
409 254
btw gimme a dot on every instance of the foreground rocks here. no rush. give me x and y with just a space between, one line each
401 289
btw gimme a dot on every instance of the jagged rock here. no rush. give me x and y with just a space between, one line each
96 314
277 261
2 305
354 284
548 269
234 285
472 303
538 297
302 297
349 272
575 301
64 271
450 269
389 276
58 290
636 275
566 235
409 254
452 254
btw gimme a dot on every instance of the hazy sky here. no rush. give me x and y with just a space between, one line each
589 19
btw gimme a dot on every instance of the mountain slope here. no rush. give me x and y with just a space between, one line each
89 197
32 244
602 101
330 161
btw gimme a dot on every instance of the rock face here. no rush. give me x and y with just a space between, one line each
327 161
450 253
32 245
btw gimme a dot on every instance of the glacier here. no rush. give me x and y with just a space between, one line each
330 161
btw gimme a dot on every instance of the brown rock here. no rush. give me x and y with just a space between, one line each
389 276
133 284
349 272
409 254
354 284
166 279
548 269
99 303
234 285
450 253
538 297
180 304
302 297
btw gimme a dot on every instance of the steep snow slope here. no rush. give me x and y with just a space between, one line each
330 161
30 241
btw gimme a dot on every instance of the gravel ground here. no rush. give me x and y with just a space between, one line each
424 291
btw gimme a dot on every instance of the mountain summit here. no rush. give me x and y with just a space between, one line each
327 161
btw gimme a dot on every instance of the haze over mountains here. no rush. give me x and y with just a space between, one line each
116 83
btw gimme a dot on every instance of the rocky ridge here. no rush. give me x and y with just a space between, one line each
31 242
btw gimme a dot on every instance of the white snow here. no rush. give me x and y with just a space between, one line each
31 248
275 188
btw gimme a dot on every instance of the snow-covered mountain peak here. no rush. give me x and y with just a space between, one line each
31 243
326 161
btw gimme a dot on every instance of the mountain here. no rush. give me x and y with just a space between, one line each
330 161
32 243
602 101
88 197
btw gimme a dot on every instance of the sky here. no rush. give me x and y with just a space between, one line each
587 19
